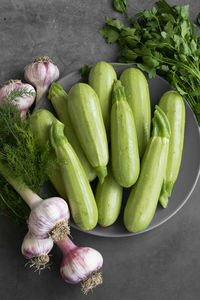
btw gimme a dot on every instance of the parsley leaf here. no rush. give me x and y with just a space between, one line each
110 34
120 5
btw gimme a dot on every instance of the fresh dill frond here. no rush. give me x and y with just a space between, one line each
20 152
18 93
25 159
9 119
11 204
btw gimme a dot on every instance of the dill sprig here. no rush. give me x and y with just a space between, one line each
11 204
20 152
18 93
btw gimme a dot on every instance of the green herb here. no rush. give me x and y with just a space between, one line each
85 70
198 19
120 6
163 41
18 93
19 151
11 204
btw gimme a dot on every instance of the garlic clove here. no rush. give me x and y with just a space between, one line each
41 73
33 247
36 250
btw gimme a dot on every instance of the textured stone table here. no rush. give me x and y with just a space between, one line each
161 264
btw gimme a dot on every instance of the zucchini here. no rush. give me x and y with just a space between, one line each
59 99
101 78
173 106
143 199
86 117
80 196
137 93
124 147
40 122
108 198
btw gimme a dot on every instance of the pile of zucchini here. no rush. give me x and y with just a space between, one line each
104 129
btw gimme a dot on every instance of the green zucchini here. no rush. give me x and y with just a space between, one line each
108 198
40 122
59 99
143 199
80 196
173 106
101 78
86 117
137 93
124 147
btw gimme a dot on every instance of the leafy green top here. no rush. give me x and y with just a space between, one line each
85 70
19 151
163 41
198 19
120 6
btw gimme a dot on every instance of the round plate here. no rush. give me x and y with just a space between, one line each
190 165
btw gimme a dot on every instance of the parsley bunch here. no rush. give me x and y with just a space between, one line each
163 41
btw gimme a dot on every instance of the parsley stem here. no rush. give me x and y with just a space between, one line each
158 24
172 62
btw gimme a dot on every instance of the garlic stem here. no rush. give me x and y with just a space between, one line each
31 198
66 245
40 92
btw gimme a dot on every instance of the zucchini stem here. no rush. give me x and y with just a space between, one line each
57 134
56 91
118 92
165 193
160 122
101 173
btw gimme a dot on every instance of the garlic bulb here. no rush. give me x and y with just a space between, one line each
80 264
36 250
41 73
18 93
49 217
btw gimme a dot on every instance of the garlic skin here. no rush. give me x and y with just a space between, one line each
49 217
34 247
41 73
23 101
78 263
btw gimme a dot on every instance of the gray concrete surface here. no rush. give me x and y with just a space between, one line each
161 264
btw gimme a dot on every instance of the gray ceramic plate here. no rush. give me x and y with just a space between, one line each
190 165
